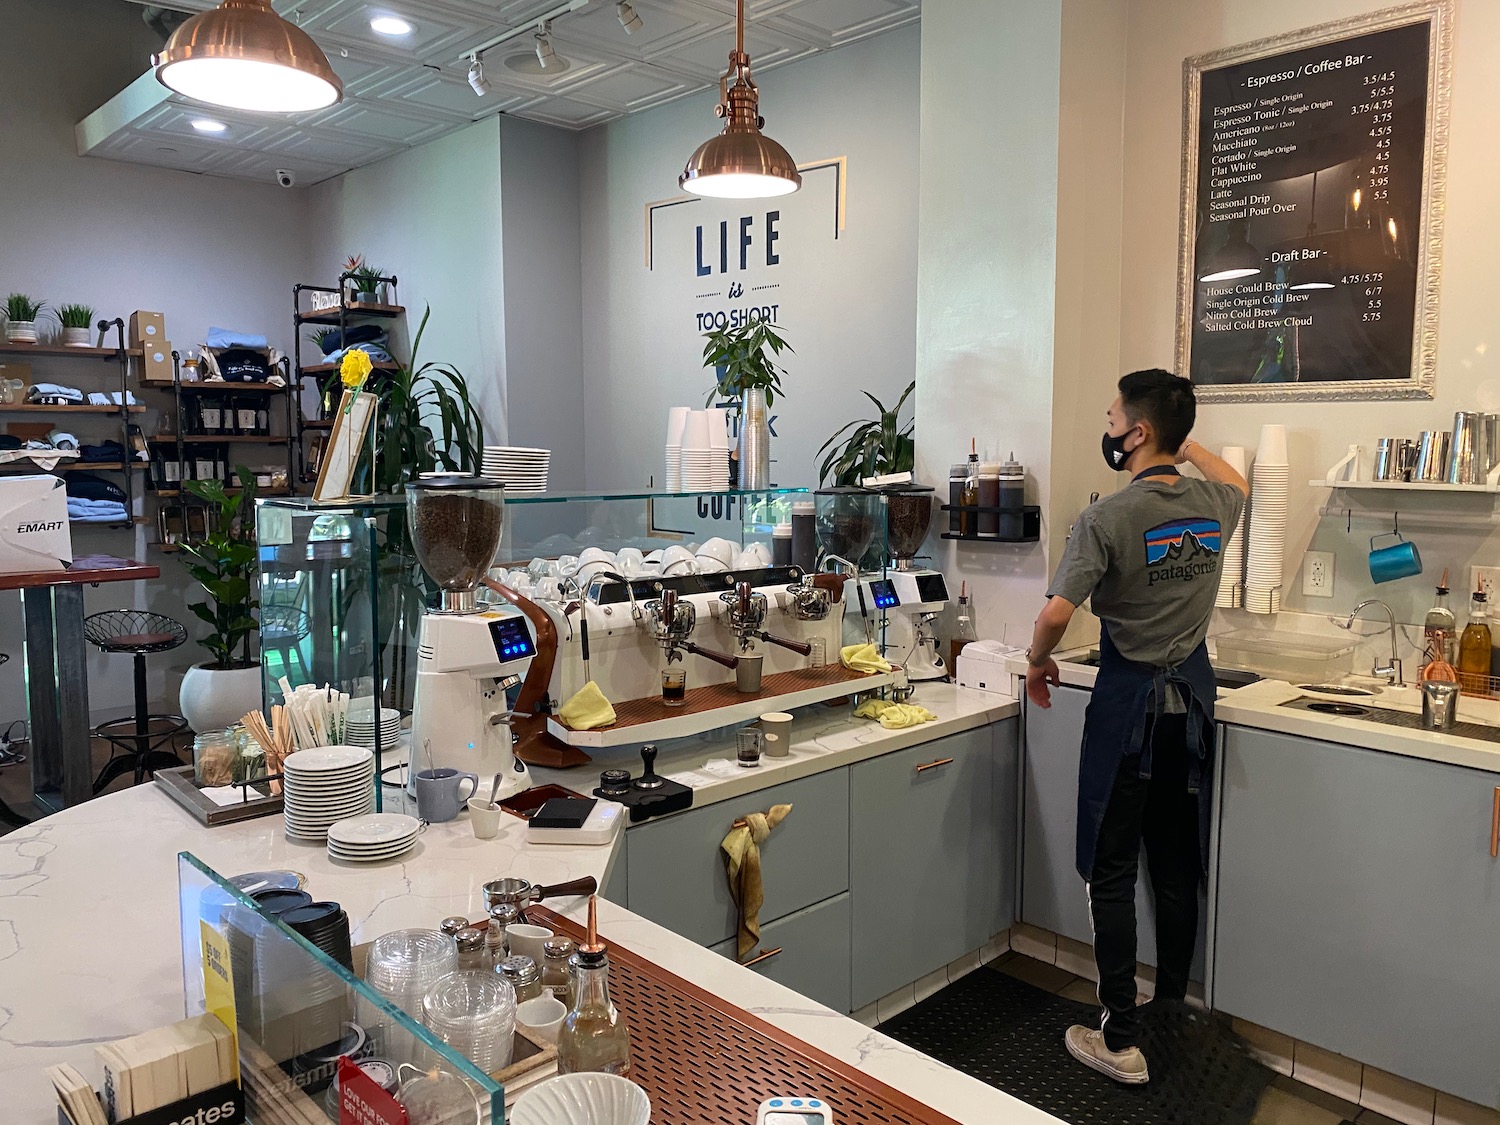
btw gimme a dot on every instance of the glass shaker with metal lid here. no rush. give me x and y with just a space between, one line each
523 975
557 975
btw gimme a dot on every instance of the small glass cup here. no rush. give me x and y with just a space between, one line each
748 746
673 687
819 654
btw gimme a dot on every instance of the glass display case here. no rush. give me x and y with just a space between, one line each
296 1008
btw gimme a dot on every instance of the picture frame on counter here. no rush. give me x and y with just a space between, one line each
1311 222
351 422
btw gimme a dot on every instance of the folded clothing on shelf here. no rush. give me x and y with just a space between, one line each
54 394
333 340
376 352
96 511
111 398
104 451
228 338
88 486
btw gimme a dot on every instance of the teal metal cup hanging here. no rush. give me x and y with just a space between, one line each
1393 560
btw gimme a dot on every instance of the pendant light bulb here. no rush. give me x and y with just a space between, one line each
741 162
242 55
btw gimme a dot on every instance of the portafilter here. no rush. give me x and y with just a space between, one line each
672 621
747 613
807 603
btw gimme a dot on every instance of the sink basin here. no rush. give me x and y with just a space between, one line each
1366 713
1226 678
1346 690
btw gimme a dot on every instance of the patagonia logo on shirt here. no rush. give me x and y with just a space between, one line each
1181 550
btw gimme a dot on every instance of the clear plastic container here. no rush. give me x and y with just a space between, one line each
1298 658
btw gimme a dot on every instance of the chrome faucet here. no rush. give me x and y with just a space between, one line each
1391 671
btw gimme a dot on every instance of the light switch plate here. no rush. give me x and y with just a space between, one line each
1317 574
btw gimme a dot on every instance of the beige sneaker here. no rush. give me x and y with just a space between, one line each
1087 1046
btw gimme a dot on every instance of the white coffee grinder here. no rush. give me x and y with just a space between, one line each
468 654
916 595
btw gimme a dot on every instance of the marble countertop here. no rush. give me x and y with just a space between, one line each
89 922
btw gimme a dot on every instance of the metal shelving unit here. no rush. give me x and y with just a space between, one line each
119 354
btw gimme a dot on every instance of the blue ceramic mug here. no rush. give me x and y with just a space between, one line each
1395 560
438 794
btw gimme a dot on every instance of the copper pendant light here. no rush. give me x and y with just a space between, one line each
741 162
242 55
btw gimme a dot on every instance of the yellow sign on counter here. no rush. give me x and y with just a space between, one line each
218 985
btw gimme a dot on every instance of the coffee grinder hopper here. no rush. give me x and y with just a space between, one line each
455 524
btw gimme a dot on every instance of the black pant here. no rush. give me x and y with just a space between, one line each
1160 811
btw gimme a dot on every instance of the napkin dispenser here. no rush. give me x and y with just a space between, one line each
34 531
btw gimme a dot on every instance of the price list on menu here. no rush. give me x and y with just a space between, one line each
1309 205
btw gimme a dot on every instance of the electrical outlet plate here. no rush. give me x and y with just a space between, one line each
1486 578
1317 574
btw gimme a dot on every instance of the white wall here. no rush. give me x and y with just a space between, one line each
121 237
1161 34
848 304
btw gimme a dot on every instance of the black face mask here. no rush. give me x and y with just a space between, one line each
1115 453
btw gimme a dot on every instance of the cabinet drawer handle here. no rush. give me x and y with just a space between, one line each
763 956
1495 825
948 762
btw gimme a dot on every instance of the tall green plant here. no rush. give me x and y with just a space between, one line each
224 563
745 357
876 446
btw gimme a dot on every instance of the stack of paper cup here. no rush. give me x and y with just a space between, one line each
705 451
676 420
1268 508
1232 570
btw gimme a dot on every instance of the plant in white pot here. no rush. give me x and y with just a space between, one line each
218 692
21 314
77 325
744 359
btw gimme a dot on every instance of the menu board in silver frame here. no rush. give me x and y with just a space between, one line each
1310 243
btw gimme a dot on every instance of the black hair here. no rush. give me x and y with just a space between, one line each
1165 401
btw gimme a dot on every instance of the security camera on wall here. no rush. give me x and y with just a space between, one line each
286 177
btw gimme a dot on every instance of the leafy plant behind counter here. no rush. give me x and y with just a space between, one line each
76 316
876 447
745 357
224 563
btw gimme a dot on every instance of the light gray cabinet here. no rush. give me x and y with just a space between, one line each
807 951
617 887
1053 896
931 855
675 870
1359 906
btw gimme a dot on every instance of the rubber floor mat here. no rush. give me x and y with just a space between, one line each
1009 1034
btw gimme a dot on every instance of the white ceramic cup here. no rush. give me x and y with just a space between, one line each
721 549
595 554
542 1017
589 571
527 940
776 726
753 557
655 556
677 559
485 818
630 560
567 565
707 564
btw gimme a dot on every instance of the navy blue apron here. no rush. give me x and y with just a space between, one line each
1127 694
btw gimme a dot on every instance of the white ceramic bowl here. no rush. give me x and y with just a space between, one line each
583 1099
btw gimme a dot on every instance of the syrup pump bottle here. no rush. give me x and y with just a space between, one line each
594 1035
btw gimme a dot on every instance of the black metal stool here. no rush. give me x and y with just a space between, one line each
137 741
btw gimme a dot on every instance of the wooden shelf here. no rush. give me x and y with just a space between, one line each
219 386
328 368
7 467
331 316
1404 486
7 348
38 408
221 439
167 548
235 490
318 424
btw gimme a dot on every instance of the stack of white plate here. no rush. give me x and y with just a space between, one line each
324 785
1266 548
1232 573
373 837
704 453
360 730
523 470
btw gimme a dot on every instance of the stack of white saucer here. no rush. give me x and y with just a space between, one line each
373 837
361 728
521 469
1266 548
324 785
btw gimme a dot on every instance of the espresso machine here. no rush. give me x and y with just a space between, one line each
469 655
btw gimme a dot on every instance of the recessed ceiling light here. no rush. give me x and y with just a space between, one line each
390 25
209 125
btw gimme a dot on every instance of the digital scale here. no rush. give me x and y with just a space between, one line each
794 1111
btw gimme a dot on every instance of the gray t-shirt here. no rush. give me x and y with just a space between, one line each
1149 558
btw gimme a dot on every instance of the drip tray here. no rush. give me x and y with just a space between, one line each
1384 715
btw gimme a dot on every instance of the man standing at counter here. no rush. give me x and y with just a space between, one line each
1148 557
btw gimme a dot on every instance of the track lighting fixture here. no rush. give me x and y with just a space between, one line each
544 52
627 17
477 80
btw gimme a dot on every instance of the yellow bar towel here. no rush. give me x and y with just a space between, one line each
894 716
742 859
587 709
863 658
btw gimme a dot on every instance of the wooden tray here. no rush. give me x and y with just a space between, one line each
721 705
181 787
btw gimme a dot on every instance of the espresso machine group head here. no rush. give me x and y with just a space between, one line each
745 608
672 621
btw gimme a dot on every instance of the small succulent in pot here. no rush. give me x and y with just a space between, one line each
368 283
21 314
77 324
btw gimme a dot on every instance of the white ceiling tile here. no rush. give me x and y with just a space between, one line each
374 120
628 88
566 113
174 118
429 90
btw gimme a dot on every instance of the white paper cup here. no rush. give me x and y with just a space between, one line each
776 726
718 428
677 417
485 818
696 431
542 1017
527 941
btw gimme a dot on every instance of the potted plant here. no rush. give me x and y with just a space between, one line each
21 315
363 282
219 691
326 340
870 447
744 359
77 324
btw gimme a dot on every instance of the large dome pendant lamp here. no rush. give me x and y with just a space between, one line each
242 55
741 162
